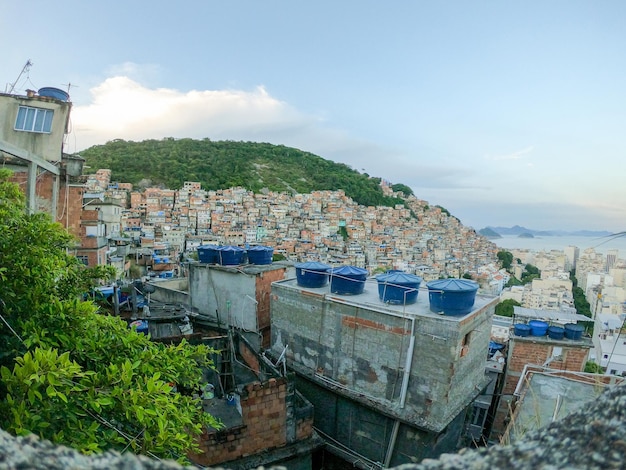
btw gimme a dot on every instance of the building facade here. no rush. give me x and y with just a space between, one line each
392 383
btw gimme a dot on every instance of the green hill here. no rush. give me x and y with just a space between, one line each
225 164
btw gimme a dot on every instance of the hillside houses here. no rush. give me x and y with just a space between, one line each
323 225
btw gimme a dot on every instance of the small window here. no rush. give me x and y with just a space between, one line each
34 120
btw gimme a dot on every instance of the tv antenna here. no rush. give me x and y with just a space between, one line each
69 85
25 69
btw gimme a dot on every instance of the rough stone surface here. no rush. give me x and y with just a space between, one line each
590 439
30 452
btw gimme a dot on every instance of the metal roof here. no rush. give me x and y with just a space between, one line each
554 315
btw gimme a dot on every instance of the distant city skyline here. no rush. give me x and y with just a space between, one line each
503 113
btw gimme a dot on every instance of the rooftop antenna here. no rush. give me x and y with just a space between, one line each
69 85
26 68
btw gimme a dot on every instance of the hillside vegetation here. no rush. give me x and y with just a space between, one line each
225 164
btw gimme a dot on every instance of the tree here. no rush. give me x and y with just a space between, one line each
402 188
513 281
506 307
506 258
593 368
224 164
72 375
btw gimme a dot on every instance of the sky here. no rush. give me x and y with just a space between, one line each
503 112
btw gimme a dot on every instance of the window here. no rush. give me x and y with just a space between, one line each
34 119
83 259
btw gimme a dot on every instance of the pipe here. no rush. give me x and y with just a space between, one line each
408 365
392 443
403 393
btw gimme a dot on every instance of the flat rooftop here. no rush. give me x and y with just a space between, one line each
371 299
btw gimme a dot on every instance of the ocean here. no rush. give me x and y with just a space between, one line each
600 245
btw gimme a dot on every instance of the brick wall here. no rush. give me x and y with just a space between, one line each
264 415
68 205
522 352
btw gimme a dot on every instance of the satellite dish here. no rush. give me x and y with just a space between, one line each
149 288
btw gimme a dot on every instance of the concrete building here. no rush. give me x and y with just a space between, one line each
538 351
609 342
235 296
571 254
392 383
32 132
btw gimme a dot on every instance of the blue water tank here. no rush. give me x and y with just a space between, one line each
574 331
208 254
260 254
347 280
230 255
452 296
55 93
398 288
538 327
312 274
556 332
521 329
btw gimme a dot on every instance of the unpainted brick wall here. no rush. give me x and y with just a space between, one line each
264 426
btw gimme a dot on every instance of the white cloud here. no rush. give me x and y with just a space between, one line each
512 156
121 108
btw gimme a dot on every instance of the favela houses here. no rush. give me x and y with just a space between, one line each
244 325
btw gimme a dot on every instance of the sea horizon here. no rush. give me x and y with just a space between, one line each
548 243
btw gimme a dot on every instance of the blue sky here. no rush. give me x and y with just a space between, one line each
503 112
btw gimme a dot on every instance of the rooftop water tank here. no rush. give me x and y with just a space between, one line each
452 296
556 332
521 329
208 254
538 327
230 255
55 93
398 288
260 254
347 280
574 331
312 274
